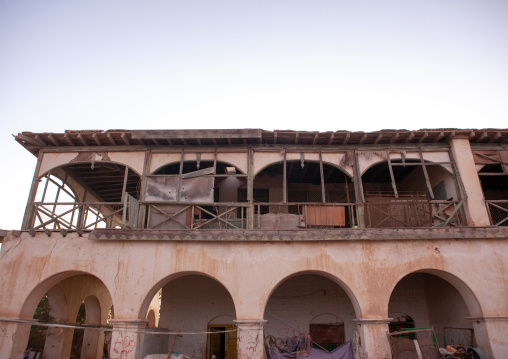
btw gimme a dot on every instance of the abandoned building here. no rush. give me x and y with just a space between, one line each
210 242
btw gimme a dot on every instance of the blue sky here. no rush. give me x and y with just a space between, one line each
279 64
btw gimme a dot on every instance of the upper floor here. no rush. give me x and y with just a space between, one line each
255 179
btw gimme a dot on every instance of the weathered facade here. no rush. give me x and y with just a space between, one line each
253 233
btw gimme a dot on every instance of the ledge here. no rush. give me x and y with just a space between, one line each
366 234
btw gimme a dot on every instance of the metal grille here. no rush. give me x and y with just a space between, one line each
459 336
498 212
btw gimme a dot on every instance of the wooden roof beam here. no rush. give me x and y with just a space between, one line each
495 137
364 137
274 137
394 138
409 137
332 137
68 138
482 136
439 136
111 139
124 138
378 138
314 141
53 140
346 138
424 136
82 139
297 135
97 139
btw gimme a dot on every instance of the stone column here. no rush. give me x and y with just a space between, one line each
374 340
250 343
491 334
127 338
476 212
14 338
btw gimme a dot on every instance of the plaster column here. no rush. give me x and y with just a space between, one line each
476 212
58 343
14 338
93 341
373 337
127 338
250 343
491 334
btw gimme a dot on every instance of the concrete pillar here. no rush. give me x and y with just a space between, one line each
14 338
491 334
374 340
476 212
250 343
93 341
58 343
127 338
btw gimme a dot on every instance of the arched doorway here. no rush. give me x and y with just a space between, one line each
428 301
201 309
77 298
309 303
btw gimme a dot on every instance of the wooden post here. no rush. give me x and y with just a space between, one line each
179 188
359 198
146 172
394 185
321 172
284 181
250 189
427 181
30 210
126 174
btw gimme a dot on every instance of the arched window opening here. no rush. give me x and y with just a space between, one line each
410 193
302 194
193 303
87 196
291 312
422 300
195 195
493 174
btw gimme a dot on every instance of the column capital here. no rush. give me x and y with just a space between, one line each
363 321
250 322
486 318
129 323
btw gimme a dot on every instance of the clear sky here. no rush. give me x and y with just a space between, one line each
272 64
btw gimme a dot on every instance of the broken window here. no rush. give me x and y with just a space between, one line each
195 195
304 194
492 169
410 193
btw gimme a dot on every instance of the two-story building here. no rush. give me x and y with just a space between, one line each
230 237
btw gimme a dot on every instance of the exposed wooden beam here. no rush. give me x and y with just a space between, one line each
297 135
156 142
111 139
495 137
41 140
332 137
53 139
214 141
274 137
124 138
394 138
29 140
315 138
450 136
346 138
378 138
364 137
97 139
82 139
424 136
439 136
482 136
199 141
68 138
409 137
